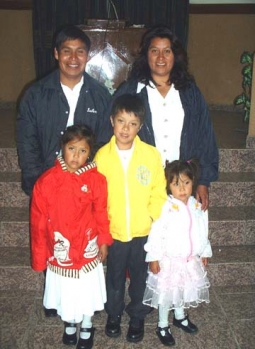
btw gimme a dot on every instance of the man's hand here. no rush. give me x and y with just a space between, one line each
202 195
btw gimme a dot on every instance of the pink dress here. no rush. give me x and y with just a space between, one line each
178 240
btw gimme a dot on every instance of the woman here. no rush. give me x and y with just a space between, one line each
177 119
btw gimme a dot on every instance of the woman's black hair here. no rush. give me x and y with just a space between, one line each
78 132
176 168
179 74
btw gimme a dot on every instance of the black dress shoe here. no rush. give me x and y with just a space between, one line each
135 331
69 339
112 328
190 328
50 312
165 336
86 343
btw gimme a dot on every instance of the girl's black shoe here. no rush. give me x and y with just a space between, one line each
69 339
165 336
86 343
189 328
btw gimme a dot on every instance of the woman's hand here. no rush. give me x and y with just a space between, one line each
102 253
154 267
202 195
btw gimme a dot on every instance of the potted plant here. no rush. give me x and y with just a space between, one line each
245 97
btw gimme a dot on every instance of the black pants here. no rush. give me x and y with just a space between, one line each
125 256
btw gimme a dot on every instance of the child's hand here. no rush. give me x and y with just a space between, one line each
204 261
154 267
102 253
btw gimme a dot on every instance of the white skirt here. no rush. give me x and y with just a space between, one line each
74 298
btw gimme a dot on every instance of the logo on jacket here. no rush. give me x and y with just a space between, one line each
91 111
143 175
61 249
91 249
84 188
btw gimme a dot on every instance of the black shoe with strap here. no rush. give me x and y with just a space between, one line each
189 328
86 343
112 328
69 339
136 330
165 336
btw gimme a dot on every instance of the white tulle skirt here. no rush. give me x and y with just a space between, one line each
180 283
74 298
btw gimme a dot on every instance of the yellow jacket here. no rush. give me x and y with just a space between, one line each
135 198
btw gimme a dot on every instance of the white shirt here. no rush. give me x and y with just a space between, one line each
167 121
72 96
125 156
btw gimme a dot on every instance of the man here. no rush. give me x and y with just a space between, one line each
65 97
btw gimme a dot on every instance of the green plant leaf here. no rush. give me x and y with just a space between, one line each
246 81
247 70
240 99
247 57
245 98
248 104
246 115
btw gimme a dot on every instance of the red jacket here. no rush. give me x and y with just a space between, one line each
68 218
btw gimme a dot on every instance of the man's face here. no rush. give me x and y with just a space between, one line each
72 58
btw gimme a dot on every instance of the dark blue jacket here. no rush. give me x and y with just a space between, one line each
42 119
197 137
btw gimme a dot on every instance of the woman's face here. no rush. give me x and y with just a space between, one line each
160 58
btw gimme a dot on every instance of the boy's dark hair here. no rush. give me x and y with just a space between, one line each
70 32
190 168
129 103
179 74
78 132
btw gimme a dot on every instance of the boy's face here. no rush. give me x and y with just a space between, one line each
125 128
72 58
75 154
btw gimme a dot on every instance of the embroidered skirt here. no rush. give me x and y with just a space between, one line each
75 297
180 283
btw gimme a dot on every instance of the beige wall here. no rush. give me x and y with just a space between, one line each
214 48
215 45
16 59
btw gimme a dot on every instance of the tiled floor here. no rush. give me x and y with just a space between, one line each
228 322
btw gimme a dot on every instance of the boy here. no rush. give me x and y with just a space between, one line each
136 194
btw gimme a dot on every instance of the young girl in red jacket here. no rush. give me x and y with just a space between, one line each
70 235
